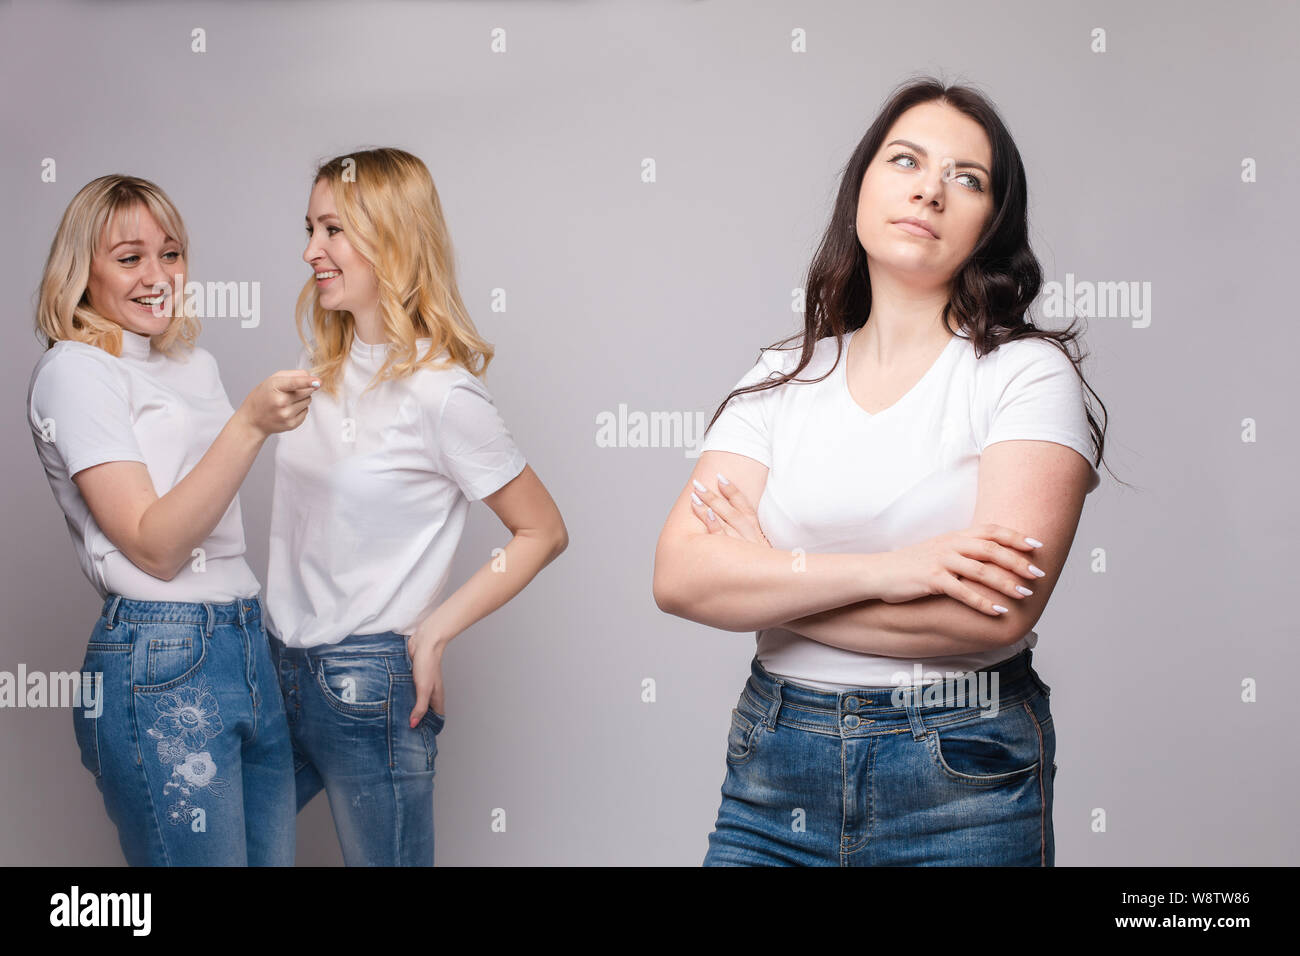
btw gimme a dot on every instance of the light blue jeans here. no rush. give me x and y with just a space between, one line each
865 778
191 751
348 706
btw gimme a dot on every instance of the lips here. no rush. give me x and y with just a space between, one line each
326 276
917 227
154 304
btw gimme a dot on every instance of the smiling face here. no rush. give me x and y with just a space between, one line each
345 281
934 167
133 257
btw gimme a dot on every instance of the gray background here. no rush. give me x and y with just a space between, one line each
659 296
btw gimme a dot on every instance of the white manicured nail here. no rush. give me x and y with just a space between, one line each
723 480
696 498
698 485
1038 571
1033 542
1000 609
1024 590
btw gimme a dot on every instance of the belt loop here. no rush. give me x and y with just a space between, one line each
211 618
111 612
775 710
911 694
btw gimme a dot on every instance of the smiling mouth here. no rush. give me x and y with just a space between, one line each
326 276
154 303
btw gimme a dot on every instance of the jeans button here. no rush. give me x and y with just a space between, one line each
851 703
851 721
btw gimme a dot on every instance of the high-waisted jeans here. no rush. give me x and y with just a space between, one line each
349 708
191 751
869 777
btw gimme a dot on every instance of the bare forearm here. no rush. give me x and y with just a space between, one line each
737 585
181 520
493 584
933 626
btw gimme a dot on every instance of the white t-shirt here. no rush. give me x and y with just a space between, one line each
842 480
371 496
86 407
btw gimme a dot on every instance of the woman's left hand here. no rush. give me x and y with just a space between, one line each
728 513
426 671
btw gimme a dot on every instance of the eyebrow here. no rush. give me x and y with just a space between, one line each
962 164
140 242
321 218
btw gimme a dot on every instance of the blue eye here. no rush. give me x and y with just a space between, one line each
976 185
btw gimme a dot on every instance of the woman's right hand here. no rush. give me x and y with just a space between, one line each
988 553
280 403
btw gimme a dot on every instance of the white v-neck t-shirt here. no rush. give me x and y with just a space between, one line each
87 406
371 495
842 480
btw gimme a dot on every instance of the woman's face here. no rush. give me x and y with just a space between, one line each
345 281
934 166
135 256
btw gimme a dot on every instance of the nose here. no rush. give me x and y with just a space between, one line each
156 273
930 188
312 252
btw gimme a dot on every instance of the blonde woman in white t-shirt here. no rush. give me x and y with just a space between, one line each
145 455
889 507
371 497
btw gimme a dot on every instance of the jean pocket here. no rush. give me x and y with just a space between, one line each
86 730
988 751
166 654
358 686
741 736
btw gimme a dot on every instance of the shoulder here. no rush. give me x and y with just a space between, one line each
436 385
71 362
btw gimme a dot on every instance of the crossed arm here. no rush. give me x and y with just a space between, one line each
1034 487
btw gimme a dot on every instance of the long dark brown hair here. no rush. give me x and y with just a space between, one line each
991 291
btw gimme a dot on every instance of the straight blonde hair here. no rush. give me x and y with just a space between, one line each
393 217
63 310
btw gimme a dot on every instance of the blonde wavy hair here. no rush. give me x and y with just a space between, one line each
392 216
63 309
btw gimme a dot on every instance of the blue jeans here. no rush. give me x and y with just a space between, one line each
349 708
870 778
191 751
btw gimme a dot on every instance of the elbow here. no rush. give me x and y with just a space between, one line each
560 542
664 586
1011 627
165 567
662 592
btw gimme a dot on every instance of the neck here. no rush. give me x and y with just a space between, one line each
904 322
367 327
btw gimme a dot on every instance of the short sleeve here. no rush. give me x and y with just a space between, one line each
474 447
1039 397
745 425
79 407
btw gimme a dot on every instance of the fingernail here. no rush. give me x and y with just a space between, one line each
1037 571
1000 609
723 480
315 384
1024 590
698 485
696 498
712 516
1033 542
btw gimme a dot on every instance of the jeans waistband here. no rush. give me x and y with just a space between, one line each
386 642
117 608
1009 681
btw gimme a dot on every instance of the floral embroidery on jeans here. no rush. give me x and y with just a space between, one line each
185 720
